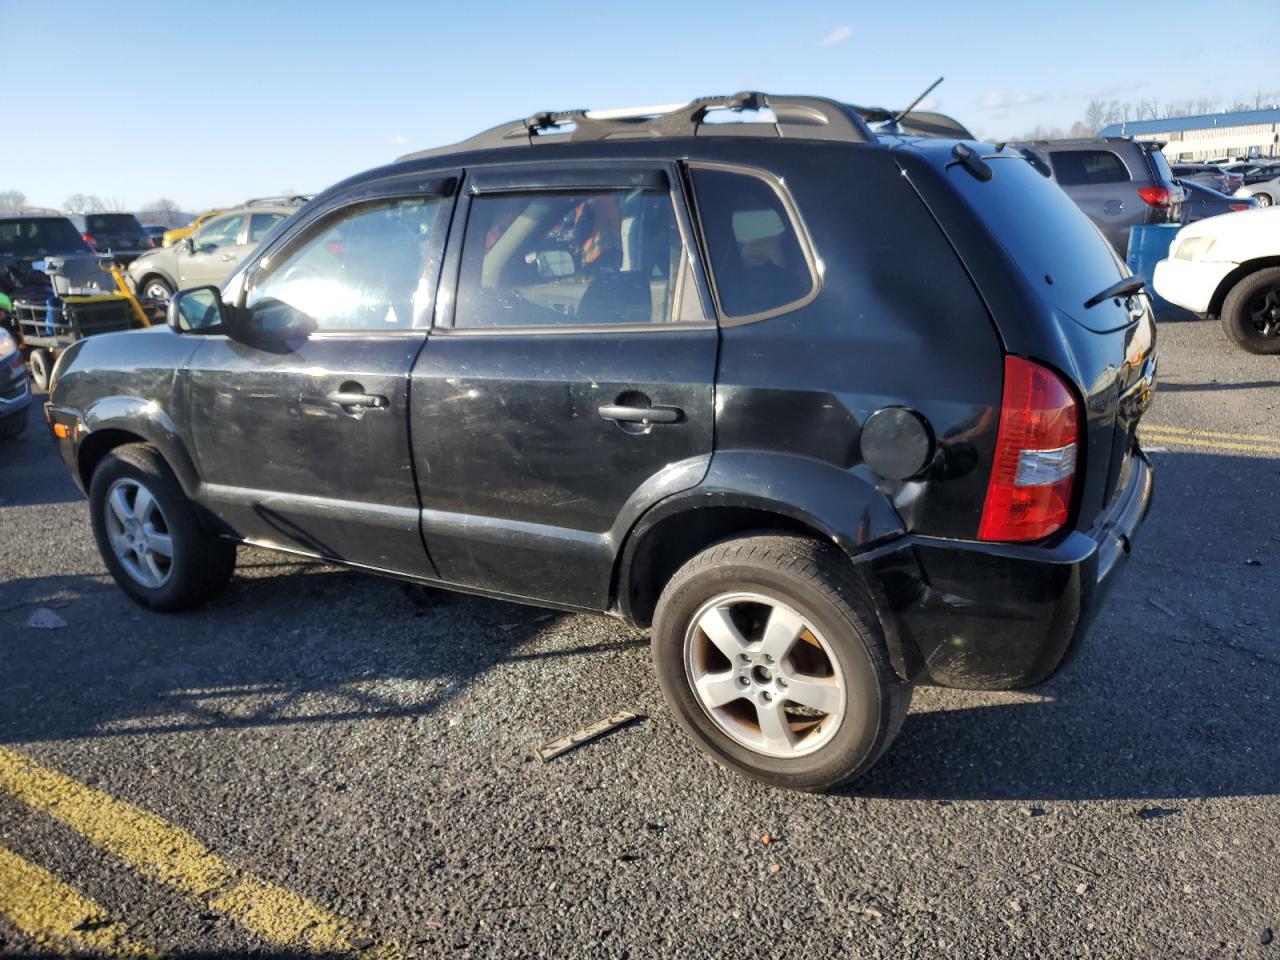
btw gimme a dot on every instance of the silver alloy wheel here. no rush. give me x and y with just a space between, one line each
139 533
1263 200
764 675
155 290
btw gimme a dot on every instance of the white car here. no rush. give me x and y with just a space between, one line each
1266 192
1229 267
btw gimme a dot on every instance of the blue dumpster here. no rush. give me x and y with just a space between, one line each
1148 245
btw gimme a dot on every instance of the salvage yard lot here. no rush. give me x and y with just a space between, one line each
330 762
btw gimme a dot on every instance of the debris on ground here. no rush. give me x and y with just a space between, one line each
766 838
42 618
1161 607
775 867
553 749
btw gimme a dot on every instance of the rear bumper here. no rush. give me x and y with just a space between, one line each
999 616
1190 284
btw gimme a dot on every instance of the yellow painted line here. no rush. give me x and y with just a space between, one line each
170 855
56 916
1214 444
1189 432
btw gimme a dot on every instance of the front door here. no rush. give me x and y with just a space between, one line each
300 421
214 249
569 383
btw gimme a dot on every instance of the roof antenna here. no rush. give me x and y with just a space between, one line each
891 126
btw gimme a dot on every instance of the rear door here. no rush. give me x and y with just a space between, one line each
569 382
302 437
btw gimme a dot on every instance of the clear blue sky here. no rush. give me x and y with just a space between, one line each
211 102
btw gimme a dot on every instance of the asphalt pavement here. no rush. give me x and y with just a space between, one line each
327 763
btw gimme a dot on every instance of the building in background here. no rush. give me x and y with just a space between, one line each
1241 133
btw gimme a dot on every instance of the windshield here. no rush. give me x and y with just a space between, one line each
1044 233
39 236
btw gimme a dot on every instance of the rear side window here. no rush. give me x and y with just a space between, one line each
578 258
756 255
261 223
1076 168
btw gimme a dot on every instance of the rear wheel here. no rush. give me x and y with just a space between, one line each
40 363
772 659
1251 312
149 534
1264 199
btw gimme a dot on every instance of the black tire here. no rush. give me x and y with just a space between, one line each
201 563
155 288
1264 199
818 582
13 425
40 363
1251 312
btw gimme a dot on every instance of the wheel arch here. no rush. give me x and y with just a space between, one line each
1234 277
683 525
115 421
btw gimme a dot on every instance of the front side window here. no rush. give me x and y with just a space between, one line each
223 232
756 255
1076 168
360 270
583 257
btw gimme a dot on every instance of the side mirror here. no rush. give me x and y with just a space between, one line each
198 310
189 244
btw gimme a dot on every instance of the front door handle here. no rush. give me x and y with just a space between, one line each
644 415
349 398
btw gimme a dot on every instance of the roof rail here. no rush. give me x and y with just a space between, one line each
800 117
275 201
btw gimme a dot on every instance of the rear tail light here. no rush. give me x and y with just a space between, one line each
88 238
1033 477
1238 206
1155 196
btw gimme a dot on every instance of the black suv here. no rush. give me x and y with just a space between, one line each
834 411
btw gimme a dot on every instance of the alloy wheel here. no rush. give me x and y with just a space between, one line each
1263 311
139 533
156 291
764 674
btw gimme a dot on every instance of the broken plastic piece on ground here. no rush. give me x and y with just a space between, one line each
553 749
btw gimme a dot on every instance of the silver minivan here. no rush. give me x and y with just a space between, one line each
1118 182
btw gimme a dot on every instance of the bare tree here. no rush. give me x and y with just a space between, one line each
1095 116
163 211
12 201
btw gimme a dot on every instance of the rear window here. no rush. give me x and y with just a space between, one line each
1043 232
1075 168
757 259
39 236
112 223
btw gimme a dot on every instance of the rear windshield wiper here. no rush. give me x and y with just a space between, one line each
1128 287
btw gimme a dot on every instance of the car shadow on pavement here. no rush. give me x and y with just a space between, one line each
28 474
1174 692
291 643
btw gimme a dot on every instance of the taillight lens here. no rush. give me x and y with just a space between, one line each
1155 196
1238 206
1029 493
87 238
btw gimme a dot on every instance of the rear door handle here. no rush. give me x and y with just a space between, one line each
646 415
345 398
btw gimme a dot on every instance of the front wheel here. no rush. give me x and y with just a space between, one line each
1251 312
774 662
149 534
158 289
40 363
